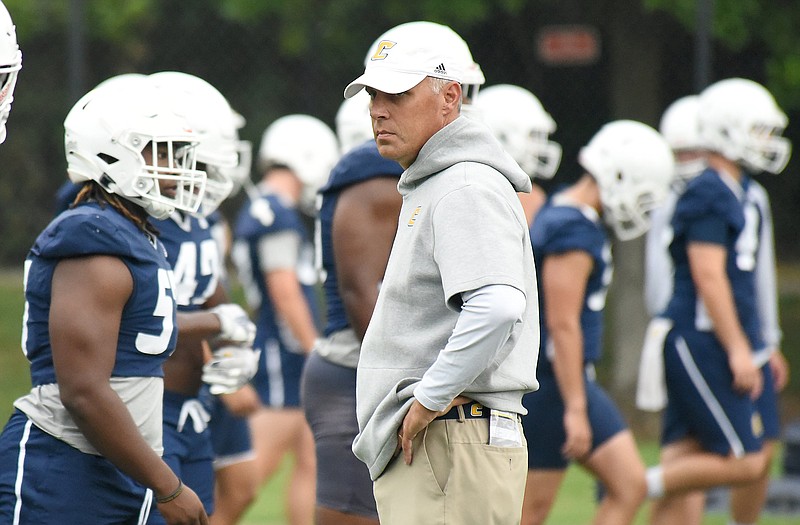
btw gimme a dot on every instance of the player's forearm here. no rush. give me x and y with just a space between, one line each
568 367
292 308
197 324
715 291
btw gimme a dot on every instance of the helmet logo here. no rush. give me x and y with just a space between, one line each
380 52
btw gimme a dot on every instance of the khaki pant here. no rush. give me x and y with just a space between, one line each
455 478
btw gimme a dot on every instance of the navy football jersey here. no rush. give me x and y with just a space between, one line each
195 258
715 209
267 216
359 164
562 227
147 335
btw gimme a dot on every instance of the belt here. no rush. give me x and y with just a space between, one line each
471 410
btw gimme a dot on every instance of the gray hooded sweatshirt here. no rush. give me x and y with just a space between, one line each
461 228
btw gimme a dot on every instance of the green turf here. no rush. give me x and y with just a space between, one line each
575 504
14 379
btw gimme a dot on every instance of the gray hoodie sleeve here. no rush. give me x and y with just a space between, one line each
487 318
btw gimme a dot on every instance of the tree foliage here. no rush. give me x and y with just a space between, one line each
272 57
741 23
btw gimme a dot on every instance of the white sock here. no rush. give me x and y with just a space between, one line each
732 522
655 481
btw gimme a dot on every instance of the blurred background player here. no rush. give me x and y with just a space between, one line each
357 220
10 64
100 321
357 224
724 219
679 127
628 166
274 256
523 127
204 310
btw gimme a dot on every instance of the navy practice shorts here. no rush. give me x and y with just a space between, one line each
544 423
329 400
278 378
230 434
60 484
702 403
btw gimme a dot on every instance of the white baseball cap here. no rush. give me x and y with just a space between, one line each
397 65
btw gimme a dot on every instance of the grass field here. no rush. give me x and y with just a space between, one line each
574 506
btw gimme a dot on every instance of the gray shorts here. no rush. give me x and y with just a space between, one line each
329 401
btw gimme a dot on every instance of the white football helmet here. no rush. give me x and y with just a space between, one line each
680 128
244 149
521 124
740 120
353 123
633 167
216 124
444 36
10 64
109 129
307 146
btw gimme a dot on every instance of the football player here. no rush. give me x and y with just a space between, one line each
204 310
722 336
274 257
99 322
628 166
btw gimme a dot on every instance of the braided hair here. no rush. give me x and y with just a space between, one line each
93 192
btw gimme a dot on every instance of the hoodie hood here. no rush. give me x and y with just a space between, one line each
463 140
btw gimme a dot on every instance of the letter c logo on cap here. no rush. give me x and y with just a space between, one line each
380 52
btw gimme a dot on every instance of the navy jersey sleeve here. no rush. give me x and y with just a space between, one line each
265 216
84 231
561 229
706 211
360 164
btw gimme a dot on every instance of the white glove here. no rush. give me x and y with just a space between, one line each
236 325
230 368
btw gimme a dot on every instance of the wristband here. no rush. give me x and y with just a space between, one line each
175 493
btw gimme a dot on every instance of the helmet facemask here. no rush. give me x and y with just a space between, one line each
740 120
523 127
766 149
8 77
167 161
218 188
633 166
628 211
